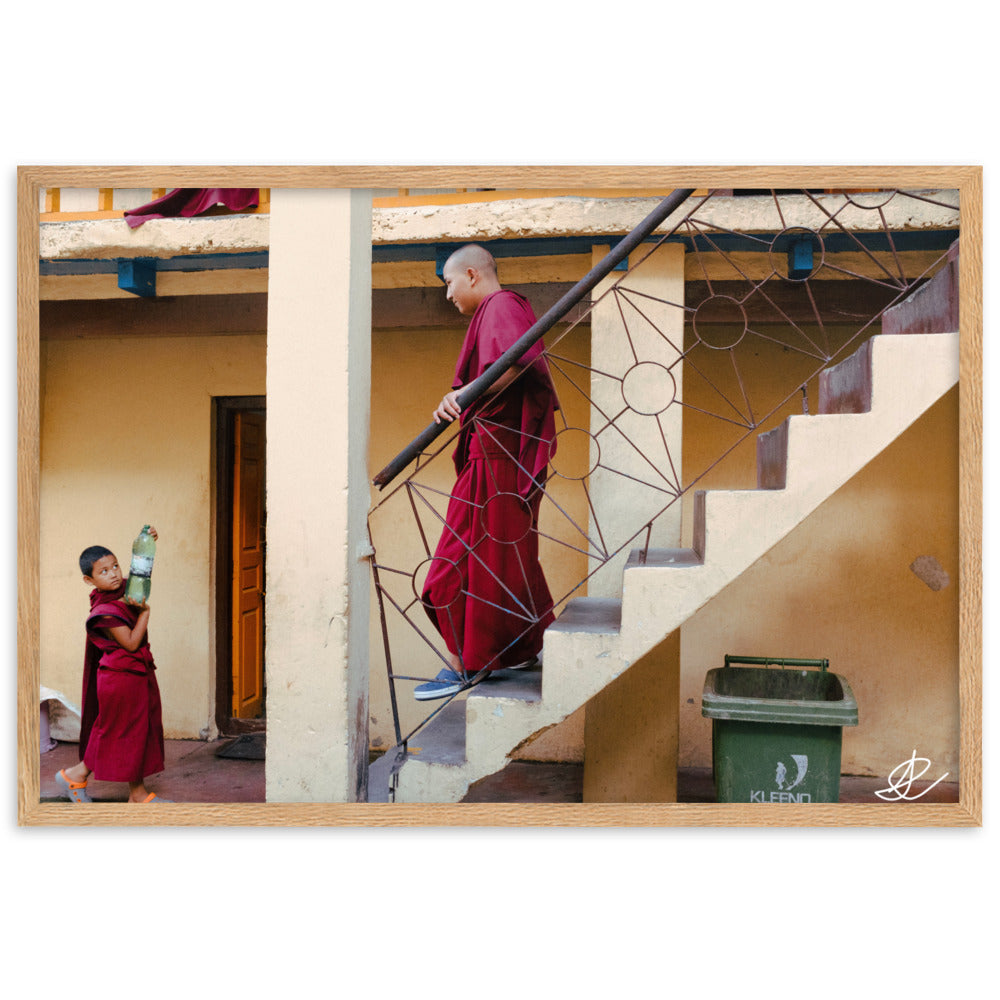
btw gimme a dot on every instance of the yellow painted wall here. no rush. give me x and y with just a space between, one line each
126 440
411 371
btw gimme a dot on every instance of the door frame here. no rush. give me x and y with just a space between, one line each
224 410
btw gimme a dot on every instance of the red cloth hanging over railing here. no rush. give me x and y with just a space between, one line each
187 202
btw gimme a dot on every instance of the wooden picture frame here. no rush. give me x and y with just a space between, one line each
967 180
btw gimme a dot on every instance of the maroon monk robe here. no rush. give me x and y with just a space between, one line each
188 202
485 591
121 726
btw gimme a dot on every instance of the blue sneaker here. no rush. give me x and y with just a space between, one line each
446 683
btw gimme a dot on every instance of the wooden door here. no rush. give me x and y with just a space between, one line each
248 566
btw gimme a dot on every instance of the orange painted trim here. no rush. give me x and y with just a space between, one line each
105 201
78 216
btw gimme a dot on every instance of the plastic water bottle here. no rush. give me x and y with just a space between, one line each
141 570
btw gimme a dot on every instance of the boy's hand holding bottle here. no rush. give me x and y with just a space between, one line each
141 570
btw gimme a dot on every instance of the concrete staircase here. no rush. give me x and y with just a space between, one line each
865 403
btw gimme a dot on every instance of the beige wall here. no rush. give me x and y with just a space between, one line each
318 360
126 440
647 326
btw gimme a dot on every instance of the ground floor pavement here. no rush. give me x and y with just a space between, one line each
195 773
192 773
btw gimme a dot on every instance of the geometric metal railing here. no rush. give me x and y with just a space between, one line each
812 284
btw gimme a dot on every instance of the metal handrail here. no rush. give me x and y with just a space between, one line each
475 390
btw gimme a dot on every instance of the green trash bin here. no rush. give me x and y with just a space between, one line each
776 733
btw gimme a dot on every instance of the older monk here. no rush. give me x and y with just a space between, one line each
485 590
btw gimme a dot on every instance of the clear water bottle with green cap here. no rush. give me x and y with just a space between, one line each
140 572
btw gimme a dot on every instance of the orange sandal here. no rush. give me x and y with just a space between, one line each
75 791
153 797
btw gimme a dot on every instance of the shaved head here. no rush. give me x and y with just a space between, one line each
473 255
469 275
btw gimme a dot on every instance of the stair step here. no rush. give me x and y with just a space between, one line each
847 387
933 307
442 740
843 388
772 458
666 558
524 685
590 614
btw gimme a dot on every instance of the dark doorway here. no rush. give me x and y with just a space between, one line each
240 551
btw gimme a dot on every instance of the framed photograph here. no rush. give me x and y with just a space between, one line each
500 496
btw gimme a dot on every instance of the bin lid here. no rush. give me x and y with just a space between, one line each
757 694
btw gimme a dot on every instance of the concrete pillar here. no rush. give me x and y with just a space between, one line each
318 390
635 343
631 731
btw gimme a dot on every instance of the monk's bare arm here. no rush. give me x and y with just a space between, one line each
131 638
448 409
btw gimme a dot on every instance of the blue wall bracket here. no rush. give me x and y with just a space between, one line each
800 258
138 276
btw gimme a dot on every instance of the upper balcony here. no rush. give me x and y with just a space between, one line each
77 204
545 235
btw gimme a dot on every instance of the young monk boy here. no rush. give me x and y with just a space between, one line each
485 591
121 728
